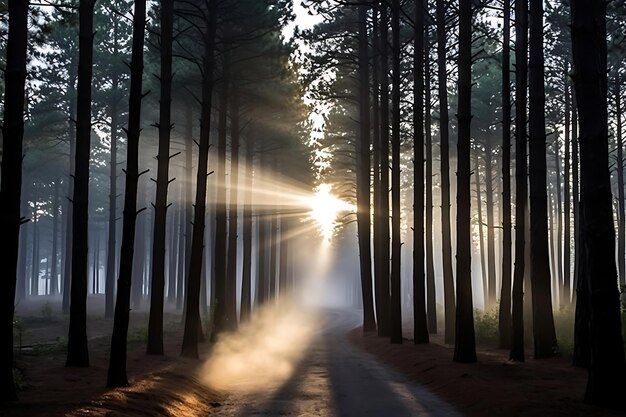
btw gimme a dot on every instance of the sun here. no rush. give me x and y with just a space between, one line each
325 209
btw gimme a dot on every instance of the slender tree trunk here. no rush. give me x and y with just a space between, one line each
181 285
11 184
465 344
446 241
384 329
566 296
246 278
481 233
192 308
77 349
54 272
575 194
504 314
35 260
607 364
621 228
137 286
261 292
173 256
116 376
273 249
284 239
363 176
67 269
379 268
396 244
420 326
559 224
23 250
111 271
221 319
176 286
491 238
231 268
431 301
157 293
544 336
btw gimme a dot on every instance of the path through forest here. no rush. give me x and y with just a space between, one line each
336 379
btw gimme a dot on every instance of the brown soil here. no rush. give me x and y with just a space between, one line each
159 385
494 386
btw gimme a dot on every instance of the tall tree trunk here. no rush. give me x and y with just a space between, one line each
221 320
71 133
544 336
35 260
181 285
77 349
173 255
194 274
465 344
575 195
396 244
559 224
420 327
379 268
175 287
54 273
262 284
431 301
116 376
621 228
491 238
21 287
137 286
384 319
11 184
157 293
246 278
481 233
446 241
273 248
607 364
566 296
504 314
111 271
284 240
363 176
231 267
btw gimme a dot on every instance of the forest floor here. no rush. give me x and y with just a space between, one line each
494 386
331 376
159 385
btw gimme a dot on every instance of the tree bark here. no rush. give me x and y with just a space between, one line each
396 244
77 349
607 364
621 246
231 268
420 326
504 314
446 241
192 293
491 238
221 319
431 301
363 176
246 278
116 376
384 319
465 344
566 296
11 184
157 292
544 336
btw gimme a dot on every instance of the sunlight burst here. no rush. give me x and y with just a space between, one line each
326 209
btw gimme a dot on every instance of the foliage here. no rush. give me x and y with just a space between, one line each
486 325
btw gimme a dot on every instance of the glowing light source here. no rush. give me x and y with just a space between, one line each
326 209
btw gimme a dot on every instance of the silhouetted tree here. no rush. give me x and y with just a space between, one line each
11 183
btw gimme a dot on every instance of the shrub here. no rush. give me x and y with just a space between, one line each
486 325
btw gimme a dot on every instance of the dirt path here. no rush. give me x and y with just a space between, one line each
335 379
